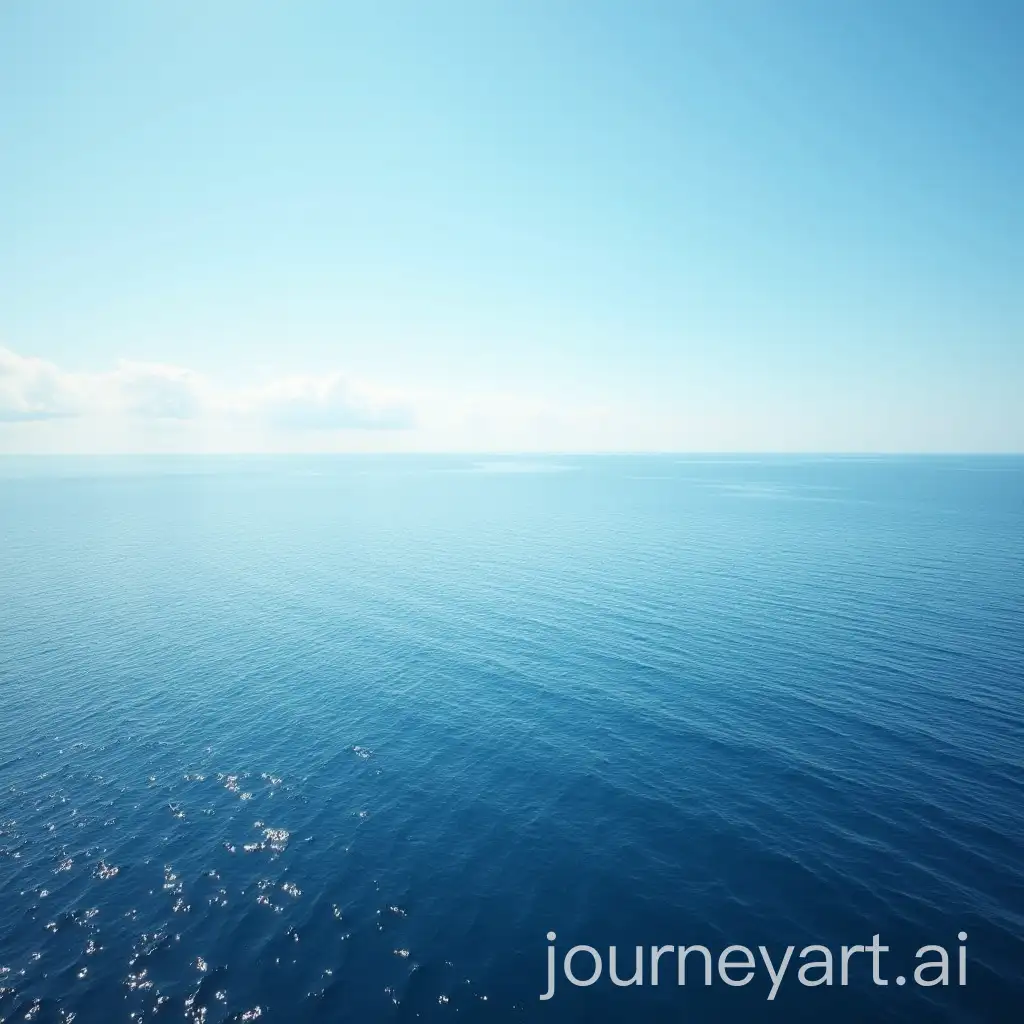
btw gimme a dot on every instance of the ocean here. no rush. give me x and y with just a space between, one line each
343 738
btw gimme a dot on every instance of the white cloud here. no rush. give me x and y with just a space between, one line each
136 398
33 389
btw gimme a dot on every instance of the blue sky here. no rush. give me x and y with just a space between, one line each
244 225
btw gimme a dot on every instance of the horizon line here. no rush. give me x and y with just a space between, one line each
528 453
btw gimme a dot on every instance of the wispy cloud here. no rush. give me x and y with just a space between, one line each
33 389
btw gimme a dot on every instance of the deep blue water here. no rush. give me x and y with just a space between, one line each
341 739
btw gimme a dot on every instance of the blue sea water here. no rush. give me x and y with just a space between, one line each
342 738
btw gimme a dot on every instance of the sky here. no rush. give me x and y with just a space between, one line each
487 225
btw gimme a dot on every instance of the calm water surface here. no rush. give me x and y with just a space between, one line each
341 739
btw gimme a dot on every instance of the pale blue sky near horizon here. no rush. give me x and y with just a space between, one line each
703 226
